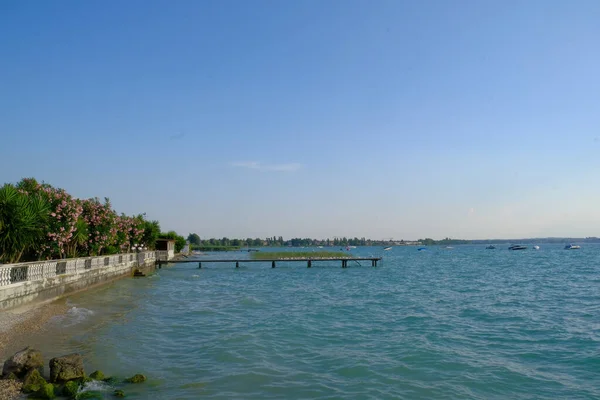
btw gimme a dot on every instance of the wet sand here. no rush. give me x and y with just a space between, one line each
17 325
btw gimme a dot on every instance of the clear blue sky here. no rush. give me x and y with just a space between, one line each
386 119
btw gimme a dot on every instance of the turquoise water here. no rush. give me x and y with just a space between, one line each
465 323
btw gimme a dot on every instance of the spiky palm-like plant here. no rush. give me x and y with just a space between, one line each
79 238
22 221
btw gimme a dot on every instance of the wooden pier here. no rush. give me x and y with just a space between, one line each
308 261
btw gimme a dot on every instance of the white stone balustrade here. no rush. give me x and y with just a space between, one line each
40 270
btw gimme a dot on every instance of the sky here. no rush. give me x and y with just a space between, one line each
311 118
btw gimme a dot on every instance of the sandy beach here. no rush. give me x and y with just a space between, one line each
10 390
18 324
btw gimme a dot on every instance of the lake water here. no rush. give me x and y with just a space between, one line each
462 323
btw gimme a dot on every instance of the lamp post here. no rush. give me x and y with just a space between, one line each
138 248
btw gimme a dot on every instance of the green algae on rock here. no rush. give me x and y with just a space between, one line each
111 380
118 393
23 361
12 376
97 376
70 389
137 378
66 368
33 381
46 391
90 395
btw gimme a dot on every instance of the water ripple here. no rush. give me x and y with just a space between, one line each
466 323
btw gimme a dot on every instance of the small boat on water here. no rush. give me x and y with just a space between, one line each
572 247
387 248
536 247
422 248
449 247
490 247
517 247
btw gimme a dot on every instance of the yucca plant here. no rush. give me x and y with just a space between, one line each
79 238
22 221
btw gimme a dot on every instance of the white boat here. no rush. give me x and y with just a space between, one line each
572 247
387 248
536 247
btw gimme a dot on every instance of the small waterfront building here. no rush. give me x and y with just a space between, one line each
165 249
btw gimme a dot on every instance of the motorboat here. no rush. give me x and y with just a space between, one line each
387 248
422 248
490 247
536 247
572 247
517 247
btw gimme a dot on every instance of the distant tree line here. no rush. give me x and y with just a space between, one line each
278 241
444 242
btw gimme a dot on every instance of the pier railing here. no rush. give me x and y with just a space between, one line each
40 270
164 255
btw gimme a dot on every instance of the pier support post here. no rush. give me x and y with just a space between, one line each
309 263
273 264
237 264
374 263
344 263
199 265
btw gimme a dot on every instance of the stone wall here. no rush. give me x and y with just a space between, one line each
43 281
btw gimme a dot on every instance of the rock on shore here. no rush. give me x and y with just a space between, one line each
22 373
66 368
22 362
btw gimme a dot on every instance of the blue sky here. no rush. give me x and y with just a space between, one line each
386 119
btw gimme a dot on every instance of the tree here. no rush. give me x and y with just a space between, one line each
102 227
194 239
23 218
179 240
151 233
64 212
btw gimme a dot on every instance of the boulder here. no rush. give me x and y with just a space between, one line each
66 368
111 380
12 377
137 378
70 389
118 393
46 391
33 381
90 395
22 362
97 375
